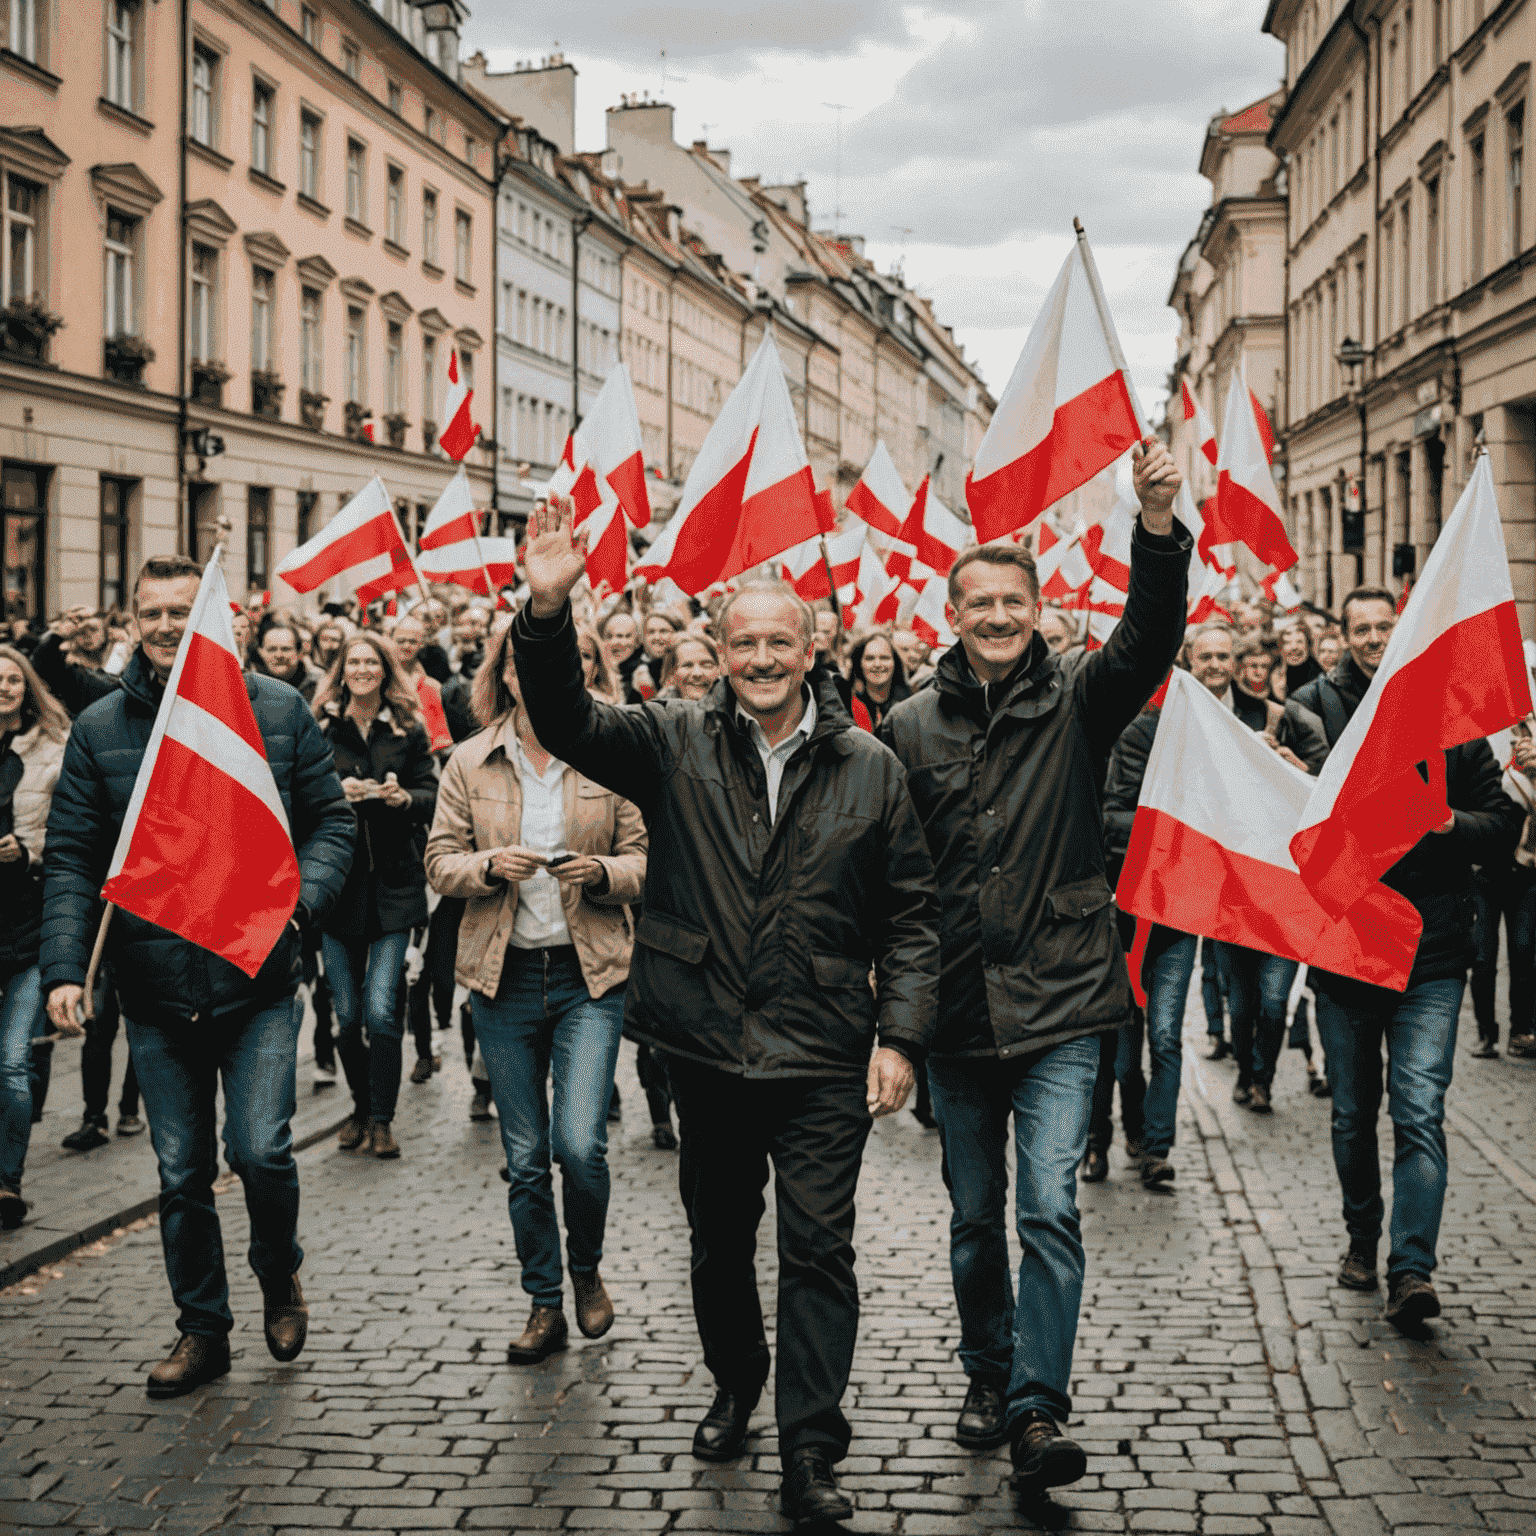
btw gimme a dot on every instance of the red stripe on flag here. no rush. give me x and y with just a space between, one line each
1136 958
430 695
378 536
399 576
212 679
705 540
455 532
1237 516
775 519
863 503
628 482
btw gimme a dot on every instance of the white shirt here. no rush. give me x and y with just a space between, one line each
539 922
774 758
1227 700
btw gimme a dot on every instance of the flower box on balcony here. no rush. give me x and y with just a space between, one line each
126 357
267 391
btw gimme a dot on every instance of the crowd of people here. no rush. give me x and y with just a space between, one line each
804 871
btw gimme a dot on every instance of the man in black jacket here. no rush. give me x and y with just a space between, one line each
786 863
1418 1025
191 1016
1005 755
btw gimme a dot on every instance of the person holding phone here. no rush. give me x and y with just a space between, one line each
548 862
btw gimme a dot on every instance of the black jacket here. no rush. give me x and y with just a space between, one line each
74 687
757 939
386 889
434 661
21 885
1436 873
458 708
1006 781
158 975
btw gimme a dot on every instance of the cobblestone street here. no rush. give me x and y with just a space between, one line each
1224 1383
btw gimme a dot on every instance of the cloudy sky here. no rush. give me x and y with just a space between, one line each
973 130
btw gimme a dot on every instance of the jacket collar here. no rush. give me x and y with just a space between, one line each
141 682
1034 687
833 720
1350 681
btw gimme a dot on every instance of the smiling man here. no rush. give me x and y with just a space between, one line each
786 864
1006 753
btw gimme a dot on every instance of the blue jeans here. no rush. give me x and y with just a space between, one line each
20 1014
179 1071
1259 987
1213 986
365 983
1167 990
1419 1028
1050 1097
543 1017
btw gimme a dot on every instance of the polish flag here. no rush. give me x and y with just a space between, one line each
930 618
1208 851
1278 589
880 498
1209 579
429 694
1067 412
1454 670
749 495
607 448
1061 563
1246 507
1205 433
454 516
205 849
808 571
874 590
466 563
458 436
363 541
933 533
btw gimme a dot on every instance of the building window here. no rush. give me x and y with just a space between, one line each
1388 271
309 26
261 320
258 532
262 98
396 97
1478 204
504 309
25 494
357 173
471 148
205 271
116 504
466 368
394 368
428 378
522 316
429 227
309 155
522 221
311 355
351 60
23 209
23 29
355 360
122 309
1432 241
1514 126
304 515
122 24
463 245
429 121
1405 256
205 74
392 13
1437 33
394 206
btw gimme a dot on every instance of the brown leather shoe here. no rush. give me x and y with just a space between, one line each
594 1311
353 1133
195 1360
382 1141
286 1319
545 1335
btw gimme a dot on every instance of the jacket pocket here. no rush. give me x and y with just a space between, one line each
659 932
1079 900
1074 942
839 971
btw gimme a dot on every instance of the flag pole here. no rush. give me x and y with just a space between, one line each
1106 324
410 554
826 560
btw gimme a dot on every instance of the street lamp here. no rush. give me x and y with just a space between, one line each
1352 358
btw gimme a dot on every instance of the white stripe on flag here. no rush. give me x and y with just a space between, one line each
208 736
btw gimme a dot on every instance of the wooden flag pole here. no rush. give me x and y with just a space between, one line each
1106 324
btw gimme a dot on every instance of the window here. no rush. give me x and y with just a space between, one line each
351 60
205 73
522 316
354 355
1437 33
357 173
392 13
471 148
462 245
205 271
262 98
258 530
504 314
116 501
1514 126
1478 204
311 355
261 320
1432 241
429 227
428 378
396 97
122 20
1348 119
309 26
122 309
522 221
22 37
309 155
1389 91
466 368
429 122
1333 157
23 208
394 368
25 493
1405 256
394 206
1388 270
559 347
304 515
1407 57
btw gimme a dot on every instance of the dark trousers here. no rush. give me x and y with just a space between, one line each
320 998
435 984
813 1130
1119 1062
1508 893
96 1059
651 1068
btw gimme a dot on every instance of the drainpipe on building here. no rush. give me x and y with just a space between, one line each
578 227
183 516
498 171
671 460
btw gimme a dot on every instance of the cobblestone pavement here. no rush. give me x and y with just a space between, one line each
1224 1383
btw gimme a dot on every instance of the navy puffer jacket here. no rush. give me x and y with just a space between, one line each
158 975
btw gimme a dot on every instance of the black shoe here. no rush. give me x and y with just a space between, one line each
1156 1170
1134 1149
1043 1457
722 1432
92 1134
1095 1168
1357 1269
422 1071
1258 1100
1221 1049
1486 1050
13 1210
983 1421
810 1490
1411 1300
663 1137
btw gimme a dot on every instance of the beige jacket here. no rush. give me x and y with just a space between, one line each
480 808
41 757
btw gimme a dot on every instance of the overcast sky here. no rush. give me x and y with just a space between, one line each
973 130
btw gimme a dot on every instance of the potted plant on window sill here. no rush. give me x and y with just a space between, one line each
312 406
208 381
29 324
126 357
267 391
395 424
356 415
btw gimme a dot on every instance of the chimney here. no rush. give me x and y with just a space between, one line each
543 95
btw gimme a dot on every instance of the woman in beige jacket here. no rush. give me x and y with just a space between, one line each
548 862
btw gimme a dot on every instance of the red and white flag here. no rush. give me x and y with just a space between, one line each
880 498
606 449
1209 579
459 431
363 541
1454 670
806 570
934 535
1277 587
1246 507
1208 851
453 549
749 495
1205 433
930 618
205 849
1061 564
1067 412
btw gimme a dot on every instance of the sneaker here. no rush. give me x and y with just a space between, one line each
129 1125
422 1071
1258 1100
92 1134
1221 1048
1357 1269
1411 1300
1095 1167
480 1106
1156 1170
1043 1457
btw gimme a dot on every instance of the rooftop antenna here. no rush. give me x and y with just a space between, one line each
904 231
663 74
837 201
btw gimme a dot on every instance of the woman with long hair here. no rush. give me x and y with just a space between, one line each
879 679
33 730
596 669
368 712
548 862
690 668
1296 655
